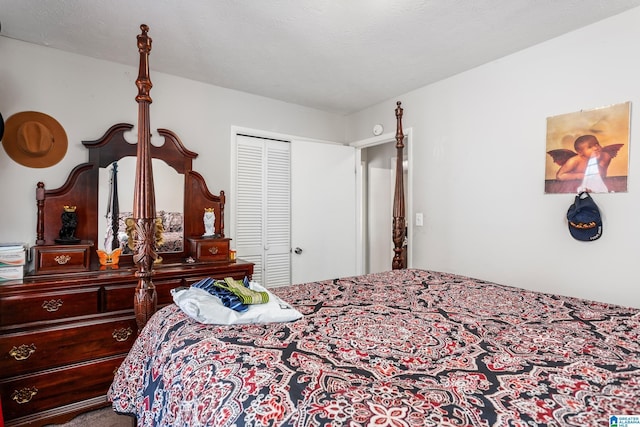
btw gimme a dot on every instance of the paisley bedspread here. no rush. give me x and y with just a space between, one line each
402 348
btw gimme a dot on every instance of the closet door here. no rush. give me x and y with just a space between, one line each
263 208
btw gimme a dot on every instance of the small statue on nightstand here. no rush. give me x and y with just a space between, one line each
209 220
69 224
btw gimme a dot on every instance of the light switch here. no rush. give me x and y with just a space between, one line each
419 219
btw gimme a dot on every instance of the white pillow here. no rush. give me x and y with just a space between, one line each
203 307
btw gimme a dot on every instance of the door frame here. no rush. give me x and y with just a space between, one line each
359 145
361 209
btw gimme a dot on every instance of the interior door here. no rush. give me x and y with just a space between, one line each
323 220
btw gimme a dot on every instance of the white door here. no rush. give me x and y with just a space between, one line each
323 202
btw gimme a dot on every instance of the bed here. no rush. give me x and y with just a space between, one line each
401 348
407 347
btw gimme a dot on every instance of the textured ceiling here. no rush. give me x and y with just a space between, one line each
335 55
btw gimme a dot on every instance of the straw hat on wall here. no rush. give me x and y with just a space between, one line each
34 139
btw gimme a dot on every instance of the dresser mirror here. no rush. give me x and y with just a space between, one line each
181 195
169 194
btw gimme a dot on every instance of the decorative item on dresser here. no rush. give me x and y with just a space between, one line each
67 326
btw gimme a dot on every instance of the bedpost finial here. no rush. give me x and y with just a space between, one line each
143 82
399 110
144 41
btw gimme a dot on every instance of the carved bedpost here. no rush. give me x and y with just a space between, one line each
399 228
144 202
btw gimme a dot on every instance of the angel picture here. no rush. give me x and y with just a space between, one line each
579 159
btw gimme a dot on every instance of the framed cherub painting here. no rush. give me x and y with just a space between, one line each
588 151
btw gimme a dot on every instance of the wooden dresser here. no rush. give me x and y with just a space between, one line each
63 335
66 327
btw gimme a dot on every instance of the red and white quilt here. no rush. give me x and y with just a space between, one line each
401 348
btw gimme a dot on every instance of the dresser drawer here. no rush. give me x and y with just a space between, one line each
120 297
61 258
36 307
23 353
30 394
210 249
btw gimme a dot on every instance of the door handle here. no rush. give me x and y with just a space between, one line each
298 251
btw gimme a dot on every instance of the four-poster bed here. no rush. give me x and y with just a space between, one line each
144 197
407 347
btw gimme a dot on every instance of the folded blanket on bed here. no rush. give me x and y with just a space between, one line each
204 307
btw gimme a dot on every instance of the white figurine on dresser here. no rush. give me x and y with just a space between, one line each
209 221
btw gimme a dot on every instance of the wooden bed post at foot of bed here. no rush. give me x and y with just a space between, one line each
144 203
399 227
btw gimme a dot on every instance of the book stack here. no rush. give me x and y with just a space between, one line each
12 261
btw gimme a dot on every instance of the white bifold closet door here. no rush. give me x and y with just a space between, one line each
263 208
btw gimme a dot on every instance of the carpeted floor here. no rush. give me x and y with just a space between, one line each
101 418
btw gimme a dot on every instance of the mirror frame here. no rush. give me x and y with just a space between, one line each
81 190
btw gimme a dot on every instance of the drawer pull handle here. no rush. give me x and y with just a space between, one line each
213 250
23 352
122 334
62 259
52 305
24 395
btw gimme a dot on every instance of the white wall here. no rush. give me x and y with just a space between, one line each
479 158
479 148
87 96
